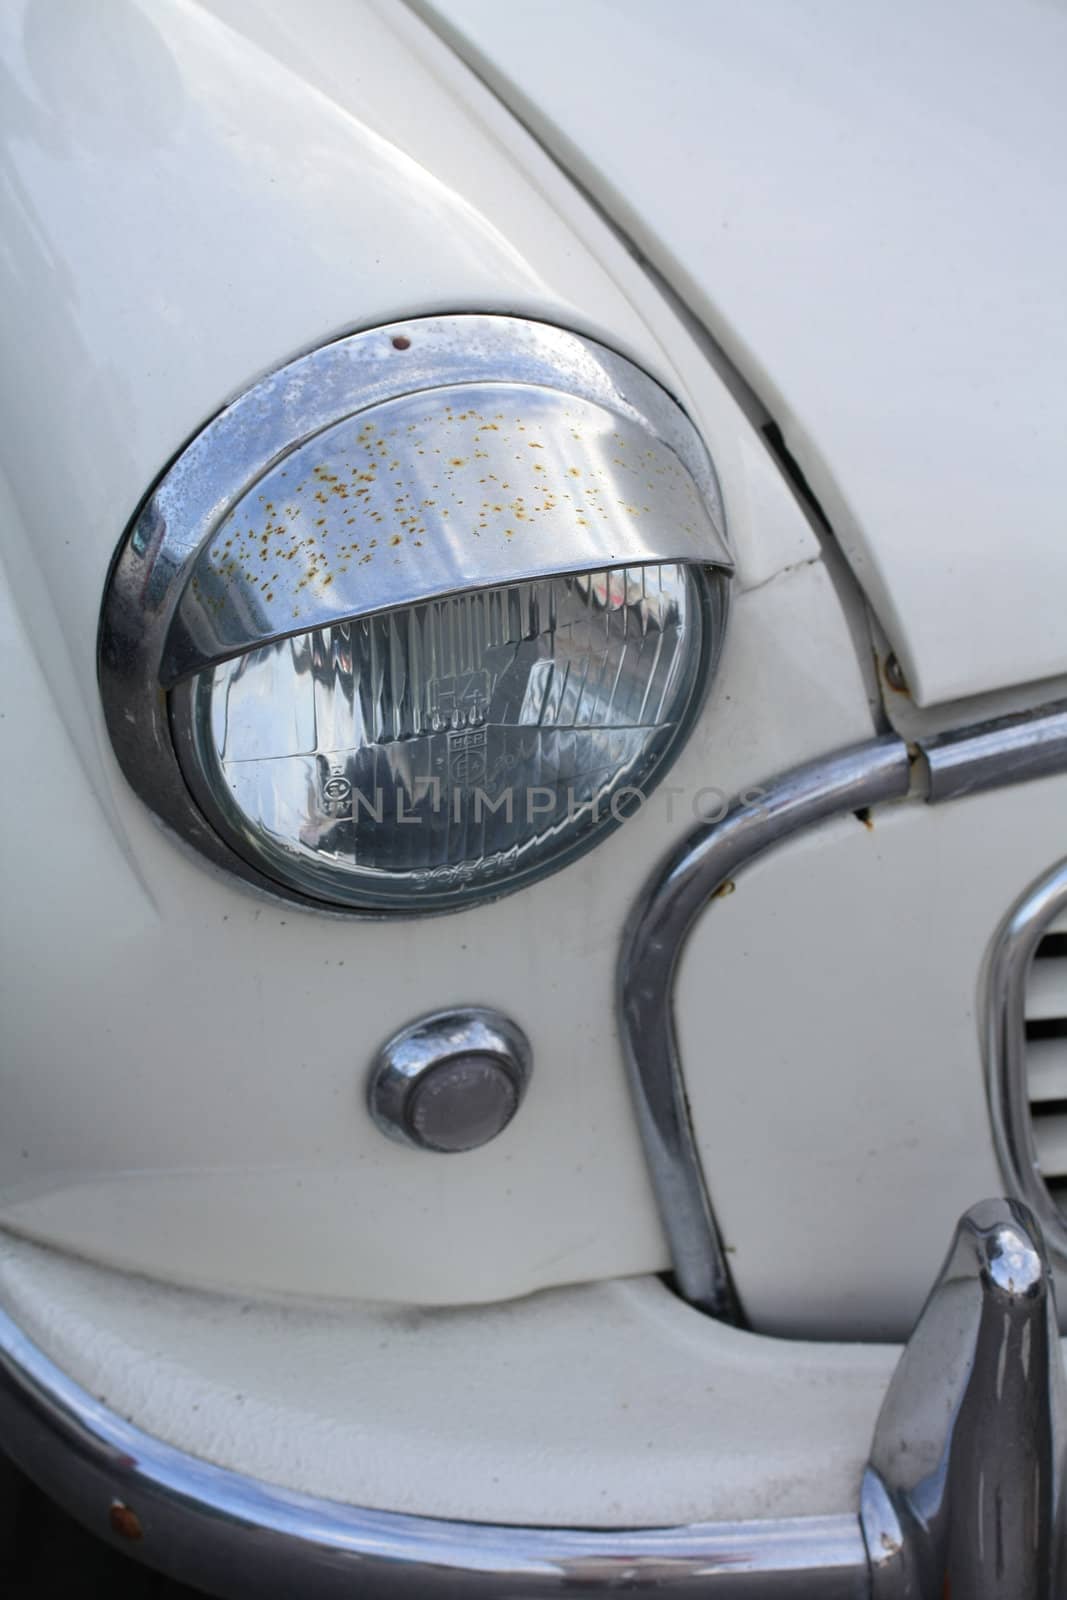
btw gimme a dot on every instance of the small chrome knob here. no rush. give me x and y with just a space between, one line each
451 1081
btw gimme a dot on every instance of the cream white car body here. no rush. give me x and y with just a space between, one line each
843 222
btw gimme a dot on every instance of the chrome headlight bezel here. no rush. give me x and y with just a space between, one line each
176 603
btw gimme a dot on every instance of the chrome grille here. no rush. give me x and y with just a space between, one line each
1026 1052
1045 1011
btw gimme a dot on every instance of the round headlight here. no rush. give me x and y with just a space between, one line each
462 744
420 617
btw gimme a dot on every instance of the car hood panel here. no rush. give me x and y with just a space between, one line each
866 206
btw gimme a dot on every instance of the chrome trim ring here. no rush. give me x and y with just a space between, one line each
1005 1040
862 776
177 602
475 1041
226 1532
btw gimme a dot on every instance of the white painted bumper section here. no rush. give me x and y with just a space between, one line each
491 1407
605 1405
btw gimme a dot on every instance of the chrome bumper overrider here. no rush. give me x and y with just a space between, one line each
962 1495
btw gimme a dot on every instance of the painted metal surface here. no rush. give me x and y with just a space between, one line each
866 206
194 1107
192 196
205 1060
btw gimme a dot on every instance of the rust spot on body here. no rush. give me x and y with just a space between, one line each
894 675
124 1522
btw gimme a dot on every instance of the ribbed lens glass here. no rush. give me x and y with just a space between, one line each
423 757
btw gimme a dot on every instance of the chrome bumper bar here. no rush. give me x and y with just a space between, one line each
961 1497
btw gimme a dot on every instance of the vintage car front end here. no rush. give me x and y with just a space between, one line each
537 620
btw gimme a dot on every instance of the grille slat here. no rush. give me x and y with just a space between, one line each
1046 1066
1050 1138
1046 989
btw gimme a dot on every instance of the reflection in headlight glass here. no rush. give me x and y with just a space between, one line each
417 758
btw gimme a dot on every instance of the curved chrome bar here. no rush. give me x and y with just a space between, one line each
236 1535
963 1493
850 780
1005 1043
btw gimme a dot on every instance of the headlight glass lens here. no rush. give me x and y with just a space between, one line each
423 757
